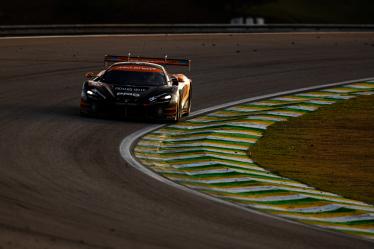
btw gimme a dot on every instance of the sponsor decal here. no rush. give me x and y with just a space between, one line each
119 94
136 68
130 89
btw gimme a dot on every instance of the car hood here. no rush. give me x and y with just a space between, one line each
139 92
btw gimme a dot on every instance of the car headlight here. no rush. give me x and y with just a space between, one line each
94 93
160 98
89 92
166 97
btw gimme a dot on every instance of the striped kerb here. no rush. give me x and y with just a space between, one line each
209 154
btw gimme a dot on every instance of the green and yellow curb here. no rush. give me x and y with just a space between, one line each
209 154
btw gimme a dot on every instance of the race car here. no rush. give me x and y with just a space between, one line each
138 86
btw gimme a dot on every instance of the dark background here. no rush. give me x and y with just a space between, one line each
185 11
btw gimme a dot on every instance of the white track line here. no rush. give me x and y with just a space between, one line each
127 144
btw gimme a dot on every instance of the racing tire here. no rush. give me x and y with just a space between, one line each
189 107
91 112
86 114
178 115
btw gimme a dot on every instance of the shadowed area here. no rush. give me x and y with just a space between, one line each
63 181
192 11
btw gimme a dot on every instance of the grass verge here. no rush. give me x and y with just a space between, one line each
331 149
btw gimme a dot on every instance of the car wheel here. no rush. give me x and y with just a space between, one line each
87 112
188 107
178 112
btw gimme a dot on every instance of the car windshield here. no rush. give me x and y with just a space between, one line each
120 77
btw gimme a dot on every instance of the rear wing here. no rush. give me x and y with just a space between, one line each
110 59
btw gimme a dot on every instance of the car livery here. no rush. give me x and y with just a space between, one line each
138 86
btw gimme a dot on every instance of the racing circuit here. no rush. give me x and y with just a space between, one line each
63 181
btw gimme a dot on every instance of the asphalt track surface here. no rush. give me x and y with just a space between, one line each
63 183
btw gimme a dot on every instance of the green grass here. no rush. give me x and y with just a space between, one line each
331 149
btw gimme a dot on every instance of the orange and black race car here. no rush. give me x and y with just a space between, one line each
138 86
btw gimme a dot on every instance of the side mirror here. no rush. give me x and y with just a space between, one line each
174 81
90 75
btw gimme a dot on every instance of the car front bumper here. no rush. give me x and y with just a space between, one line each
155 110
